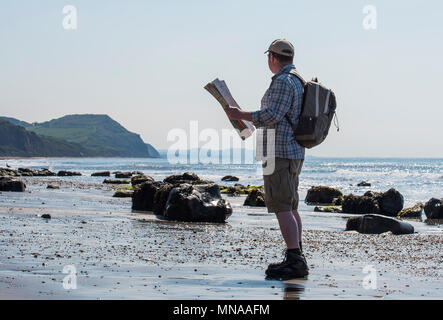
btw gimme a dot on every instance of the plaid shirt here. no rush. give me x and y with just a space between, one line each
284 96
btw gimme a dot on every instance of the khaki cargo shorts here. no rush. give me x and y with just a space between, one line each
281 187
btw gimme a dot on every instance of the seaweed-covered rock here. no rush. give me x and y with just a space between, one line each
322 195
197 203
9 184
434 209
123 194
101 174
115 181
232 191
230 178
376 224
140 178
7 172
335 209
412 212
255 198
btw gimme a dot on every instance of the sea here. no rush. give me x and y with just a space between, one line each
418 180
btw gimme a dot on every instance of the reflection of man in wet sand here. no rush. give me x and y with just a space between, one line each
284 97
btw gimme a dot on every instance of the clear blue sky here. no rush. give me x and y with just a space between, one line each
145 64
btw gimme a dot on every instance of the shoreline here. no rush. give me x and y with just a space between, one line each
120 254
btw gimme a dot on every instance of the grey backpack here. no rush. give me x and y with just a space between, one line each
317 112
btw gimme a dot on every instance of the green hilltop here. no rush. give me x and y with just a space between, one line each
89 135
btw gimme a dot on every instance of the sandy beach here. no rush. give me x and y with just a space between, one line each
119 254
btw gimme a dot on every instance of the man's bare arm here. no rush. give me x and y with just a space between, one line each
237 114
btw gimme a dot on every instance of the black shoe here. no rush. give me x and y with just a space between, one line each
294 266
277 264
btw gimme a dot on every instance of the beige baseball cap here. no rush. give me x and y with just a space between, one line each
281 46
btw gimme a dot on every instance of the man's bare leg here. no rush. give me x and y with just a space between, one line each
289 229
299 224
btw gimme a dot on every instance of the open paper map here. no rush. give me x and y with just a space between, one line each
220 91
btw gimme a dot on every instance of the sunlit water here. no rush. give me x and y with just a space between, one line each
417 179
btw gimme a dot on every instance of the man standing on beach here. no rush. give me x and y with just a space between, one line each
283 97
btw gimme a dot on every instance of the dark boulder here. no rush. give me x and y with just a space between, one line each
101 174
115 181
230 178
143 197
64 173
322 195
123 194
434 209
359 204
197 203
44 173
25 172
123 175
9 184
364 184
337 201
414 212
376 224
161 197
182 178
255 198
140 178
388 203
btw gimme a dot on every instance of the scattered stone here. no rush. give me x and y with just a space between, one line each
51 186
376 224
101 174
123 175
9 184
414 212
64 173
364 184
230 178
434 209
322 195
114 181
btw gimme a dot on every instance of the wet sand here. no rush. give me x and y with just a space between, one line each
119 254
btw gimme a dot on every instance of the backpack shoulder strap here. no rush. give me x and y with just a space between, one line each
294 73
